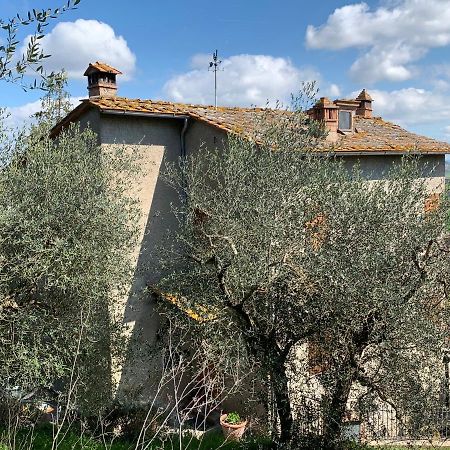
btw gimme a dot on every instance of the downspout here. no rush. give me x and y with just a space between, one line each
183 155
183 137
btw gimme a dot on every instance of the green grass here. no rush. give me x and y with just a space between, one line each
41 439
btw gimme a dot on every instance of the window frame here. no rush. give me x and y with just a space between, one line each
339 121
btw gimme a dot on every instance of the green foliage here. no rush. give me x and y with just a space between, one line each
42 439
288 247
67 230
233 418
13 67
54 105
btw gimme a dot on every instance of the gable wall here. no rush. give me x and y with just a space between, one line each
201 134
91 119
154 140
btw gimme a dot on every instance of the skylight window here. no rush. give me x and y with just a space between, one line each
345 120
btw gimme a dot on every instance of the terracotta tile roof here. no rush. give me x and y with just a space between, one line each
102 67
228 119
377 135
364 95
372 135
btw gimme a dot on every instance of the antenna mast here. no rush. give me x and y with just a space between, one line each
214 67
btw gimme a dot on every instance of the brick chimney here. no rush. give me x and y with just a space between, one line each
101 80
365 105
326 111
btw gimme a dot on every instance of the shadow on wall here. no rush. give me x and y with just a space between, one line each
154 139
139 374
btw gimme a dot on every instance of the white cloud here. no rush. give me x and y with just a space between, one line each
410 106
441 85
386 63
200 61
333 91
73 45
20 116
441 70
393 36
244 80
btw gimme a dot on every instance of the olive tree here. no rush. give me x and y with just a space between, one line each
67 229
286 246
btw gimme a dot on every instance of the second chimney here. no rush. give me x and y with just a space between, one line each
365 105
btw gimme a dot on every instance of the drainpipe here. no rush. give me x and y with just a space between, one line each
183 137
183 155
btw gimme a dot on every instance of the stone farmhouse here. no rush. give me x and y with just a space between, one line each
161 129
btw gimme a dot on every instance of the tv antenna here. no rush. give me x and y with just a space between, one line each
214 67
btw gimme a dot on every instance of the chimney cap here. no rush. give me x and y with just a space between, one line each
364 96
325 102
101 67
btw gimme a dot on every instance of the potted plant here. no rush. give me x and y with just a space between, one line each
233 426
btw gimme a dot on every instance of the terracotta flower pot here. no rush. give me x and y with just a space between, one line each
232 432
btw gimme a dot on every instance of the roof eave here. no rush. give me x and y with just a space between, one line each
142 114
88 104
71 117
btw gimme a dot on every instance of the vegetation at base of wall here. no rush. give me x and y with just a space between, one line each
41 438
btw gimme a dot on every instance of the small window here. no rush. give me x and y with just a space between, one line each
345 120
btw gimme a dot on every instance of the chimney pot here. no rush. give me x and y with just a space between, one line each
101 80
326 111
365 105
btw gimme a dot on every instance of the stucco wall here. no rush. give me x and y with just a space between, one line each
200 135
91 119
373 167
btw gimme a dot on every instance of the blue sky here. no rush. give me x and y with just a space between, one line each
398 49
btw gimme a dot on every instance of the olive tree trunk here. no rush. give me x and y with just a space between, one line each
335 409
282 401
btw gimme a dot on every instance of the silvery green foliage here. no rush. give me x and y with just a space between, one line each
55 105
287 247
14 66
66 235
